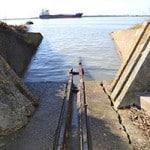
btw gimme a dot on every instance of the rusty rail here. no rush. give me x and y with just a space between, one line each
82 112
64 117
63 138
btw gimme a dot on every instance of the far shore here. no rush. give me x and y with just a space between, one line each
81 17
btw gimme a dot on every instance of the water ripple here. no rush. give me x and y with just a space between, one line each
67 40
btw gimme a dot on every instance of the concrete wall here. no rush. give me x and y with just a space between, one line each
16 101
133 76
124 40
18 48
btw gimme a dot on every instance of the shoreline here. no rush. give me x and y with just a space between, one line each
84 16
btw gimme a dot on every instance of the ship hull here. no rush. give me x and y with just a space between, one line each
79 15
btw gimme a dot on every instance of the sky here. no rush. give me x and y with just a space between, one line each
32 8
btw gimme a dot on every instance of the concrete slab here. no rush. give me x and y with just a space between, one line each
145 102
40 133
108 128
105 129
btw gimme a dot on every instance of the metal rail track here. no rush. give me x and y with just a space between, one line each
72 132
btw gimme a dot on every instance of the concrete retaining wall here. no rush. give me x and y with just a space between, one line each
16 101
133 76
18 48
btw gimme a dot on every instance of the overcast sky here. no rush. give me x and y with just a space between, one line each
32 8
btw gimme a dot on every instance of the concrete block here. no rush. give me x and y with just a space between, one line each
145 102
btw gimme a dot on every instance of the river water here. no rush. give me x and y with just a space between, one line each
66 41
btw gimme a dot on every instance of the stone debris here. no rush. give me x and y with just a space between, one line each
140 118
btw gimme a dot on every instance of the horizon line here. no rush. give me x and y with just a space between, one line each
123 15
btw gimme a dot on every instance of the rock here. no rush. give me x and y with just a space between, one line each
16 101
29 23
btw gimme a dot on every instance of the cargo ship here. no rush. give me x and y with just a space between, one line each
46 15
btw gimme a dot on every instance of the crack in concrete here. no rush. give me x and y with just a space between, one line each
119 116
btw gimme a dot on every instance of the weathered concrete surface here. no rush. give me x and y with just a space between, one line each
125 40
17 48
106 131
136 134
16 101
133 77
145 101
40 132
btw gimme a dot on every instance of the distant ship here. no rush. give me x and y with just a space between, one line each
46 15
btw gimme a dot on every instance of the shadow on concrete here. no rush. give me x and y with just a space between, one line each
102 138
39 134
